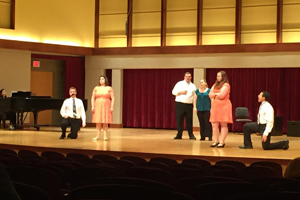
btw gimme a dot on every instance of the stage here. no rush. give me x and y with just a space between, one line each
146 143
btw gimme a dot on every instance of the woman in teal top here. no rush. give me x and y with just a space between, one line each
202 108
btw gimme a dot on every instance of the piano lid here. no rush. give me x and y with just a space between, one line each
21 94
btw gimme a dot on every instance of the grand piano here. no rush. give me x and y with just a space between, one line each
22 103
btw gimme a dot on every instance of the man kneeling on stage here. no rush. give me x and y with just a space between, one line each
264 125
72 111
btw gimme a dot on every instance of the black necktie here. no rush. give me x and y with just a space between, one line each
74 108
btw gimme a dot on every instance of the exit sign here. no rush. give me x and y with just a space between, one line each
36 63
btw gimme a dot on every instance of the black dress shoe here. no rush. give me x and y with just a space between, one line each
286 145
177 138
69 135
214 144
221 145
245 147
62 137
202 139
193 138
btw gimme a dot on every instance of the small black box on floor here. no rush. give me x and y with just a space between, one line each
293 128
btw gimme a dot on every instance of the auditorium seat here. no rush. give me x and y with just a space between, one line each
104 157
151 174
291 186
125 164
86 173
168 161
30 192
137 160
223 190
7 151
76 156
186 185
155 165
272 180
38 177
89 161
116 191
130 181
277 167
234 163
258 171
201 162
51 155
26 153
266 195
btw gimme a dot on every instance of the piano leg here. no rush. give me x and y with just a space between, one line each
35 117
19 120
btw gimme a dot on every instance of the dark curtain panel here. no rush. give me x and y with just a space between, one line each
75 72
147 97
246 84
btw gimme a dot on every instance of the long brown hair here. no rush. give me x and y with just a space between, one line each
106 80
218 84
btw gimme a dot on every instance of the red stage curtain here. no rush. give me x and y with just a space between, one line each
75 72
246 84
147 97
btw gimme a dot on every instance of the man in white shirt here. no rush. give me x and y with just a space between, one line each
72 111
184 92
264 125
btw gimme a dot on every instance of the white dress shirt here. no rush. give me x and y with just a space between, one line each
266 116
67 109
182 86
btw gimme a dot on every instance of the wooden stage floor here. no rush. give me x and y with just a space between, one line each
146 143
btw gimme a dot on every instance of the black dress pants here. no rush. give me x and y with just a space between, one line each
75 126
205 125
254 127
184 110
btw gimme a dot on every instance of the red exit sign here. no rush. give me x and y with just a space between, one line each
36 63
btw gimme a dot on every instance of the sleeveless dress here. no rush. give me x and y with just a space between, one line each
102 112
221 110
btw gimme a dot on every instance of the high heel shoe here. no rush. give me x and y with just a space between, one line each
214 144
105 136
95 138
221 145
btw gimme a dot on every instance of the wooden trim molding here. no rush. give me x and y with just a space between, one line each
238 21
97 15
163 29
241 48
279 21
12 14
199 21
201 49
48 48
129 23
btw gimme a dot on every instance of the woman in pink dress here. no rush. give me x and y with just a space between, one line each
102 102
221 109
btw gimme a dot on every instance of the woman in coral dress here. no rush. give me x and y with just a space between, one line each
102 102
221 109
